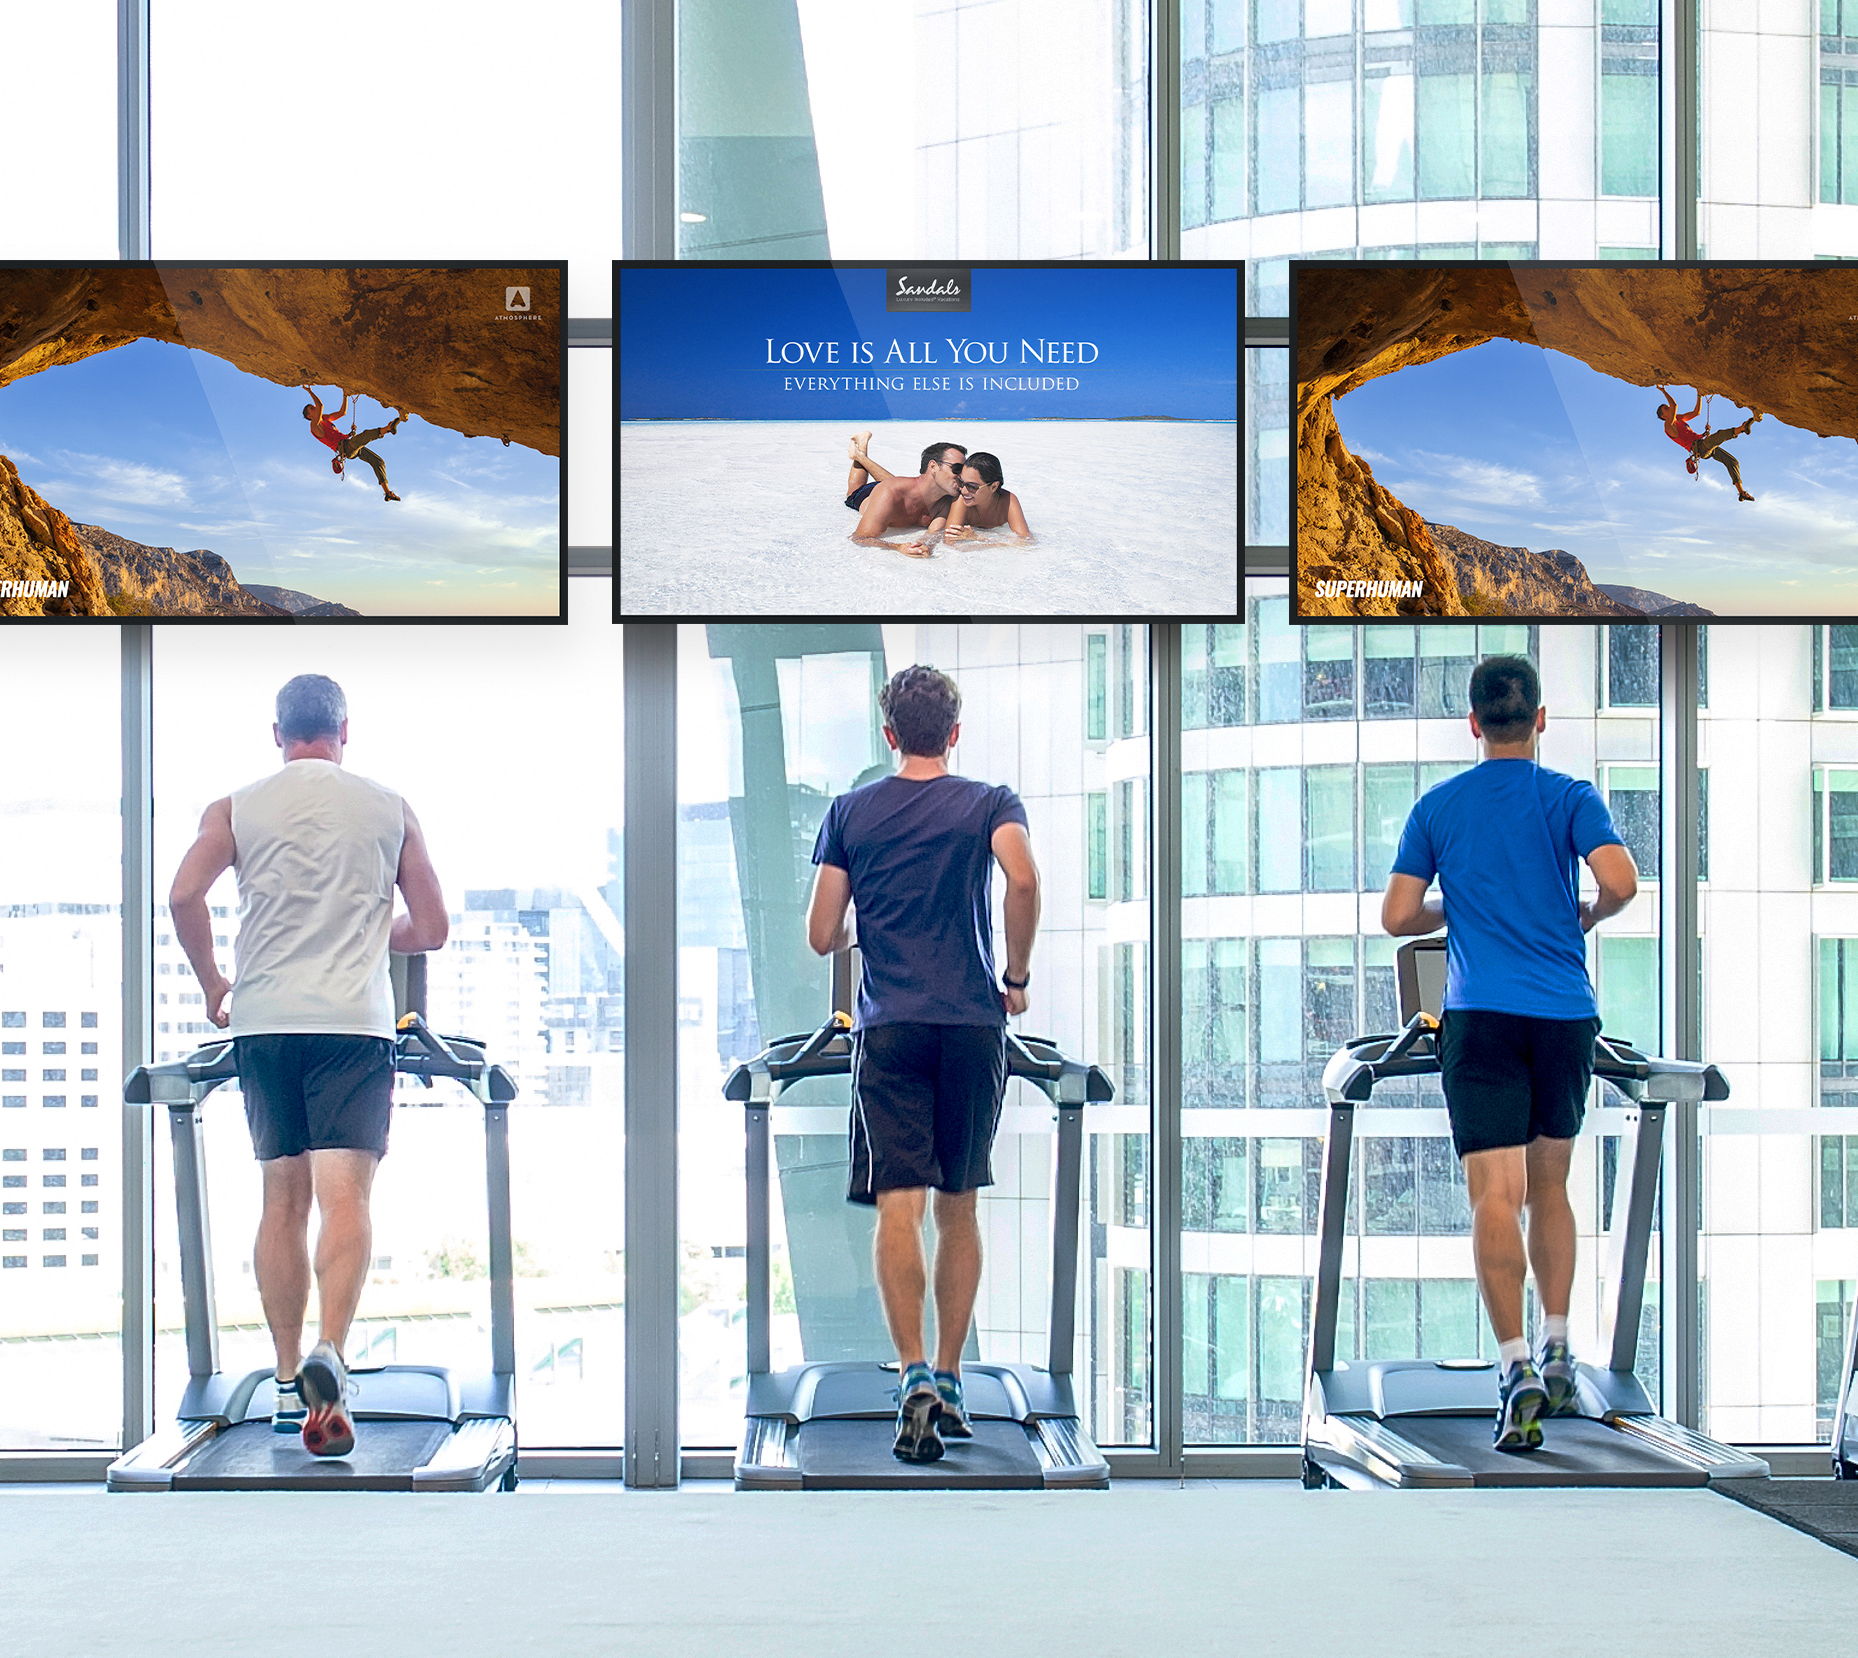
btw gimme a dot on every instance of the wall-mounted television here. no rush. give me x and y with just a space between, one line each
1548 440
269 443
796 439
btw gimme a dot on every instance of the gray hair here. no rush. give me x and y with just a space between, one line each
310 706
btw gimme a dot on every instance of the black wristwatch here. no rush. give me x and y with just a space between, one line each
1015 984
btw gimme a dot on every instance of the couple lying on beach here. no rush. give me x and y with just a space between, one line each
955 494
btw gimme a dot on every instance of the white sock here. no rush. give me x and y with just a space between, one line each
1554 1327
1510 1352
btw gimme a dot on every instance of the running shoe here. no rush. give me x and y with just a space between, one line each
323 1381
288 1414
1556 1365
919 1409
1519 1404
954 1421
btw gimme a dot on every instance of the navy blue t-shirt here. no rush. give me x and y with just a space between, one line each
1505 839
920 856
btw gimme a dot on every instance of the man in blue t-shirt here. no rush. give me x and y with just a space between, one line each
914 852
1516 1041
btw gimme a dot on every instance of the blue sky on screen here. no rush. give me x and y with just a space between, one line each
1532 448
177 448
694 344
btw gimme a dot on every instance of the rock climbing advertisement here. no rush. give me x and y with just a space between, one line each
930 439
308 442
1574 440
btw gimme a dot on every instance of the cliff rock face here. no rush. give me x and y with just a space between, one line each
435 343
1777 342
158 581
39 546
1351 529
1652 604
1516 582
298 604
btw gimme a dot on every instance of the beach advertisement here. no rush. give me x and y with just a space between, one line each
1545 440
989 439
317 443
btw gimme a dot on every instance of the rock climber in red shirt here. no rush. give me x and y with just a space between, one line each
1708 446
351 446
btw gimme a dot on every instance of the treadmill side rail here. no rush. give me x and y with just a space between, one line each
1388 1458
470 1457
150 1465
1716 1460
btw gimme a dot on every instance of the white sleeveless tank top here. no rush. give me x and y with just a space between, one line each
316 850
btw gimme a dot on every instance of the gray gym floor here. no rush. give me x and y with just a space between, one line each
1216 1567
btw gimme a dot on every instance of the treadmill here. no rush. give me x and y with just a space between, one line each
1845 1418
419 1427
1427 1422
829 1426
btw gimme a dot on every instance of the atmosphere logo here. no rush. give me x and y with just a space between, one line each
927 288
516 299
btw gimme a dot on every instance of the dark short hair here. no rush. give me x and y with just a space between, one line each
986 465
935 452
309 411
921 706
310 706
1505 694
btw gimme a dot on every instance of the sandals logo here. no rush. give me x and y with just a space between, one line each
516 306
927 288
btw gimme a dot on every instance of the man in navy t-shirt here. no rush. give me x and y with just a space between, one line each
1516 1041
914 853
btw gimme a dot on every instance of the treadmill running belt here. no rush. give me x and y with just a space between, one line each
250 1457
1575 1451
855 1455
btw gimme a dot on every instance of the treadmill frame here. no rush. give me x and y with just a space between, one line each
481 1448
780 1403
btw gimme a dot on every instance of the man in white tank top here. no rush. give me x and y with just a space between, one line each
317 853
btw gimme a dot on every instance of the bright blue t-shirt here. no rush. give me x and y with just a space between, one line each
1505 840
919 852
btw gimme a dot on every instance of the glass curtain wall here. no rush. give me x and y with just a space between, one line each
1267 440
1416 129
1302 752
1779 1251
989 129
773 723
524 831
61 1239
340 153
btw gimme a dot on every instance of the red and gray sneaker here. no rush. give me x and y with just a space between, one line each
1556 1365
1519 1405
323 1381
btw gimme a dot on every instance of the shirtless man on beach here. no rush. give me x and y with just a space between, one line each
883 501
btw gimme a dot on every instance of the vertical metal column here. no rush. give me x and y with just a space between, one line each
1164 129
1067 1200
138 1002
760 1293
650 923
1638 1192
132 130
1679 173
502 1260
1164 669
648 134
1331 1235
188 1128
1681 957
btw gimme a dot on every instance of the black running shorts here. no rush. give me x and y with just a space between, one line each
925 1106
317 1093
1510 1078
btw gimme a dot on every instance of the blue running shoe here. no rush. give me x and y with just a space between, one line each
287 1416
1520 1403
919 1409
954 1421
1556 1365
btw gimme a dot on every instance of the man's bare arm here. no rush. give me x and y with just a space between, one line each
1404 910
1618 877
210 856
423 924
1012 846
829 917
